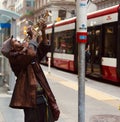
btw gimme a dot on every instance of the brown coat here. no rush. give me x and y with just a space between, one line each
24 94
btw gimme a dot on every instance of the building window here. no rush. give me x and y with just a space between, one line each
62 14
28 3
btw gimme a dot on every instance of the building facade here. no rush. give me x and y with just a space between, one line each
59 10
105 3
9 4
25 8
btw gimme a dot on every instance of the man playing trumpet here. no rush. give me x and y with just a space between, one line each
32 92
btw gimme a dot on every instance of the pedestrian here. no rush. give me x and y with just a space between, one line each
32 92
87 56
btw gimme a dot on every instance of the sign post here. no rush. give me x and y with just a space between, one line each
81 39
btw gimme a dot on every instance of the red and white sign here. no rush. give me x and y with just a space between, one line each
81 37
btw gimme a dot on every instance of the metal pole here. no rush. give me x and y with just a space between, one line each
81 39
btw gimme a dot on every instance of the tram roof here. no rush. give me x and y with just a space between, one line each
95 14
62 22
103 12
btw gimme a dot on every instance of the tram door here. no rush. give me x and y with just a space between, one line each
93 66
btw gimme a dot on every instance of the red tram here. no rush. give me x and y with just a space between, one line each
103 39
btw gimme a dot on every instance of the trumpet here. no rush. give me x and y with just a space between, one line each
38 26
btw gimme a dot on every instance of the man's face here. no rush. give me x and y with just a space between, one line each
16 45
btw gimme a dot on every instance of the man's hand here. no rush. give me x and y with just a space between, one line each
29 32
42 24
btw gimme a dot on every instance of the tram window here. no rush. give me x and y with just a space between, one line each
110 41
64 42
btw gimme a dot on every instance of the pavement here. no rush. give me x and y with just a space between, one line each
6 113
102 103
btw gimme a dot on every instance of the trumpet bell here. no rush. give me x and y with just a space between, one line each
50 14
39 25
